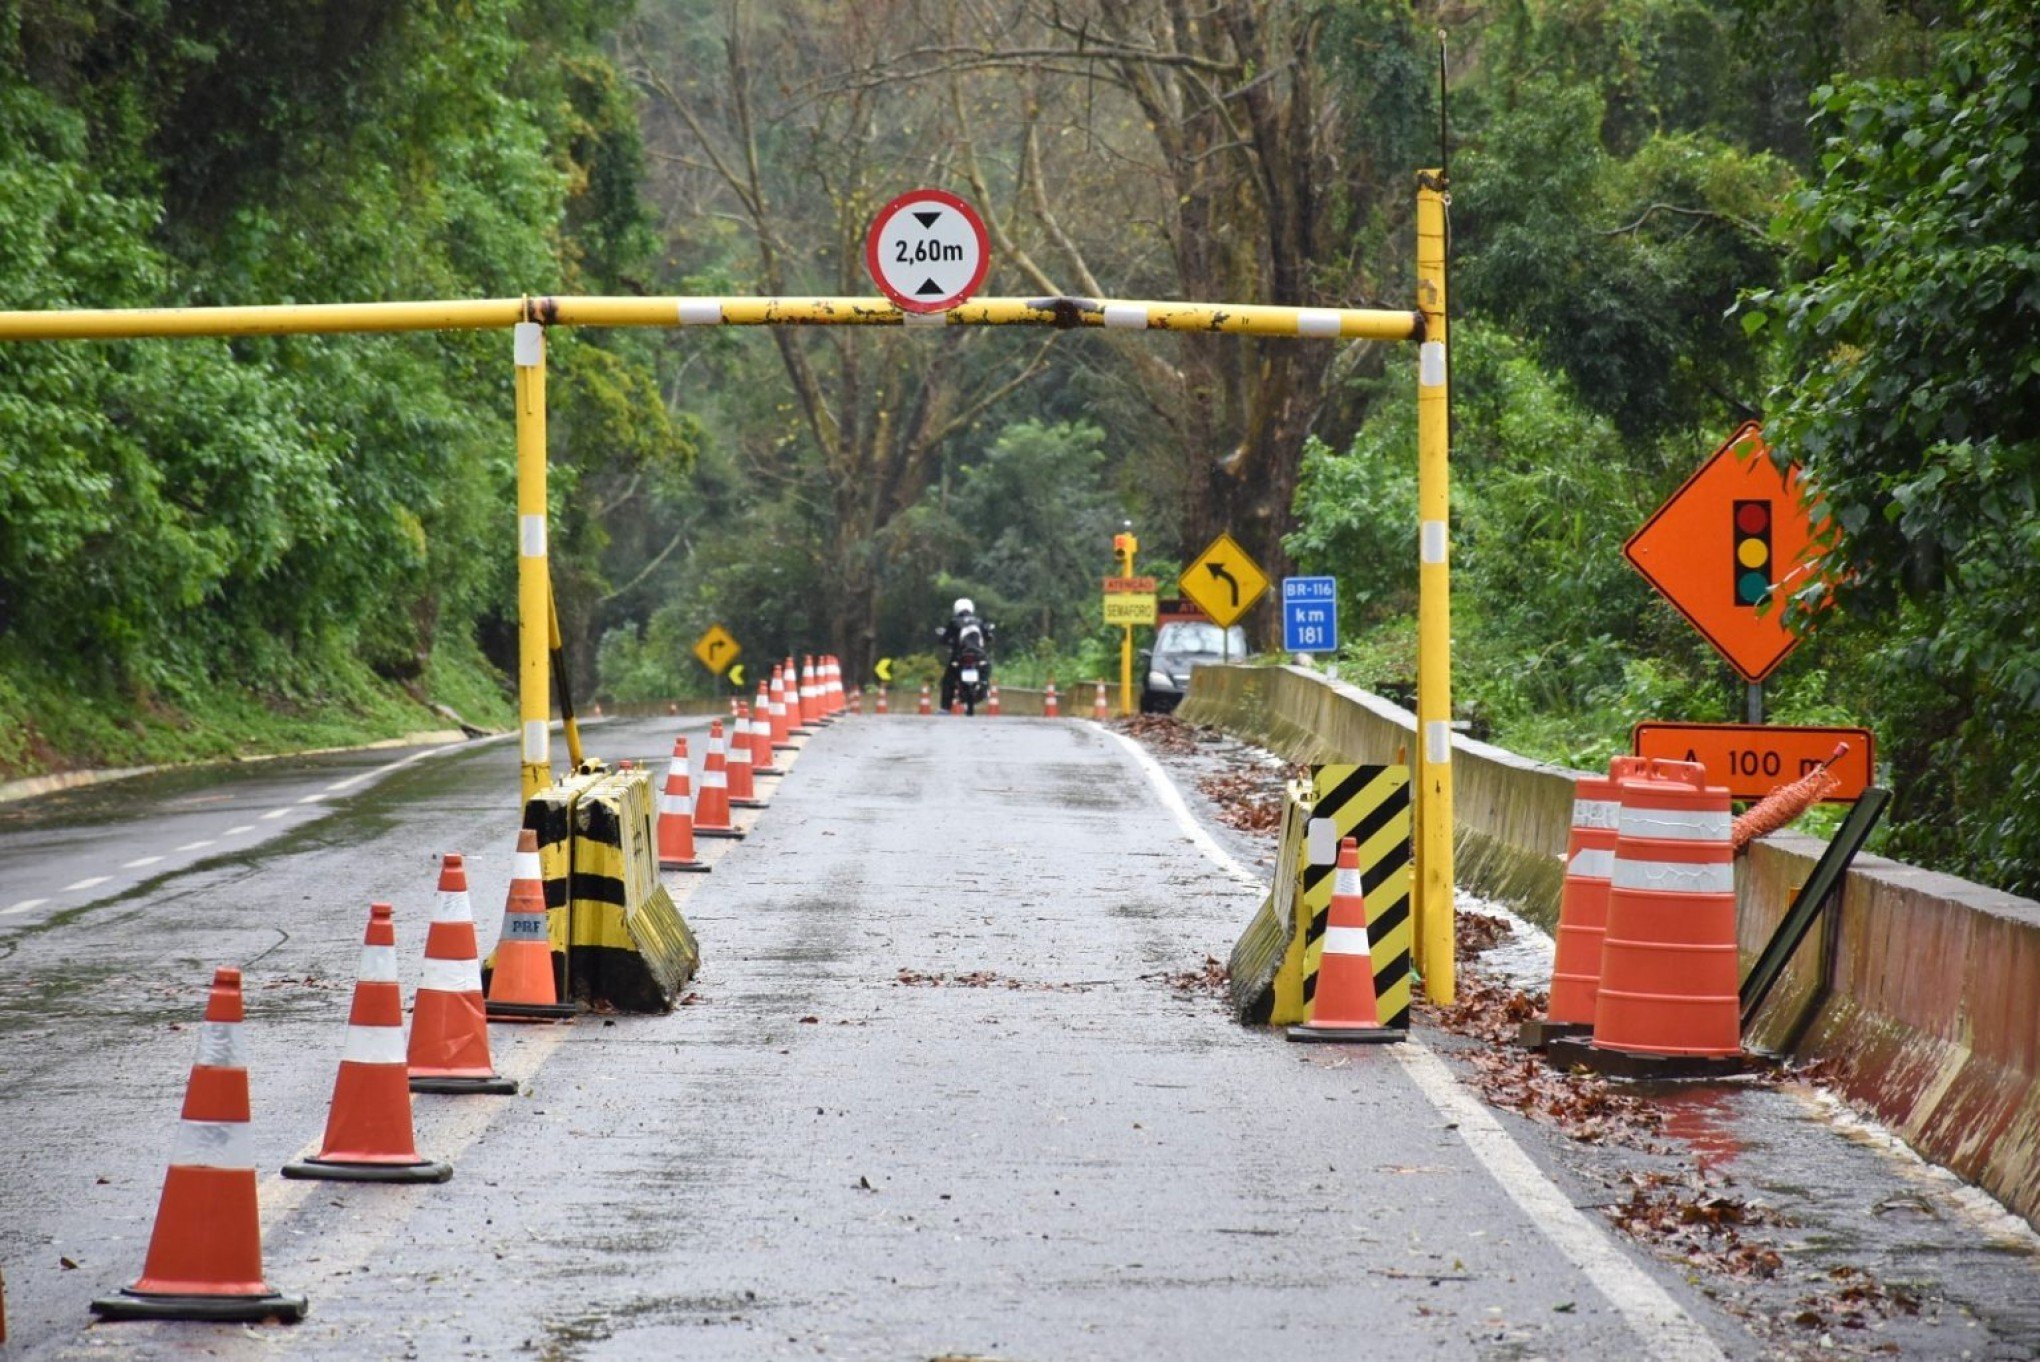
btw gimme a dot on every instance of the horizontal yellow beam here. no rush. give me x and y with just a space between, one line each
292 319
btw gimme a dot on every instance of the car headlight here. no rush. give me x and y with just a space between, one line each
1160 681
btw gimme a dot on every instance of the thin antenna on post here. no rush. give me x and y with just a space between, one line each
1444 136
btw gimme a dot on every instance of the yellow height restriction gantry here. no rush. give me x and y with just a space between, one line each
527 319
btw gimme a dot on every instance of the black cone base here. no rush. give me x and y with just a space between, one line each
1372 1035
750 803
1567 1054
132 1304
529 1012
728 834
1538 1034
425 1170
696 867
494 1083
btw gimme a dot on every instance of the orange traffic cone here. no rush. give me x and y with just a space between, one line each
761 735
1050 707
743 789
992 702
369 1135
676 817
1582 910
205 1255
1098 709
782 716
523 987
882 706
836 684
449 1030
1669 981
712 809
805 718
857 702
1344 1006
926 707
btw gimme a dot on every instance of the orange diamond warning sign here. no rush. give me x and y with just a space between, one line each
1728 548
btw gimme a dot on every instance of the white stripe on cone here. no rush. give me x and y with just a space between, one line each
378 964
451 976
213 1144
1593 863
1346 941
1675 877
1676 825
374 1045
453 907
220 1046
524 866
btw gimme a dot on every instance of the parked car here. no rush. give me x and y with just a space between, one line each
1181 646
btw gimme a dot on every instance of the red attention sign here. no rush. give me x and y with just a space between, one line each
1754 759
1727 548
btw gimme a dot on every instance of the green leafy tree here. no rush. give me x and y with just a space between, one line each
1912 336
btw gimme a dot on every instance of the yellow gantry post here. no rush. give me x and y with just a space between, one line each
534 579
1125 545
1434 905
557 650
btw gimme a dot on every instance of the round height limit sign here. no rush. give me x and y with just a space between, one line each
927 250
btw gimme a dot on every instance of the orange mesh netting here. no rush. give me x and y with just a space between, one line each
1787 802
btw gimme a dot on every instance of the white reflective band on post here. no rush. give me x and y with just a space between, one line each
378 964
220 1046
1126 317
214 1144
1319 322
524 927
374 1045
1676 825
1438 742
924 318
1431 364
531 536
1346 882
701 312
524 866
452 976
1346 941
714 780
1321 842
528 342
1597 813
1431 541
676 804
1593 864
453 907
1675 877
537 741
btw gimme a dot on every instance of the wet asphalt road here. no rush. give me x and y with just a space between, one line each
1050 1153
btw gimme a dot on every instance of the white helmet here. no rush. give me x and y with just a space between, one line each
963 607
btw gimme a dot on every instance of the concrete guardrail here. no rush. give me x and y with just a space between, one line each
1923 992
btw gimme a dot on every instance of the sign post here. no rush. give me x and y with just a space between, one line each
1124 546
1310 614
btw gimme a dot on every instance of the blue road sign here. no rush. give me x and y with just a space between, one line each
1310 614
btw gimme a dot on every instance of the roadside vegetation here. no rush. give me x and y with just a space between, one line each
1668 216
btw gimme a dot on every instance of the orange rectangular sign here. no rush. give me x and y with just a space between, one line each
1130 586
1754 759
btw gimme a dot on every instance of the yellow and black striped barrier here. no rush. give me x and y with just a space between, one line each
1274 965
630 947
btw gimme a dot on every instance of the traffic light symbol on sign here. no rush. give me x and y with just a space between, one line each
1753 563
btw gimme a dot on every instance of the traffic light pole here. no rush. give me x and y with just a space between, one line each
1433 901
1125 545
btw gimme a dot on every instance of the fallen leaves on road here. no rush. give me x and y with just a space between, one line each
1211 978
1162 731
1698 1223
1476 933
1583 1106
1248 800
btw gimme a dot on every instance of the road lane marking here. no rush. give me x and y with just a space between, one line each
312 799
138 862
276 813
90 882
22 907
236 832
199 845
1651 1312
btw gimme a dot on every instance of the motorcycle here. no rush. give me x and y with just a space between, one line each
969 677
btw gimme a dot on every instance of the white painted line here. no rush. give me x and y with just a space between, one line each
22 907
236 832
1165 790
1666 1329
276 813
1663 1325
138 862
88 883
199 845
313 799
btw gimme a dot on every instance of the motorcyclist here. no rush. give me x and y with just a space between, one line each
964 628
